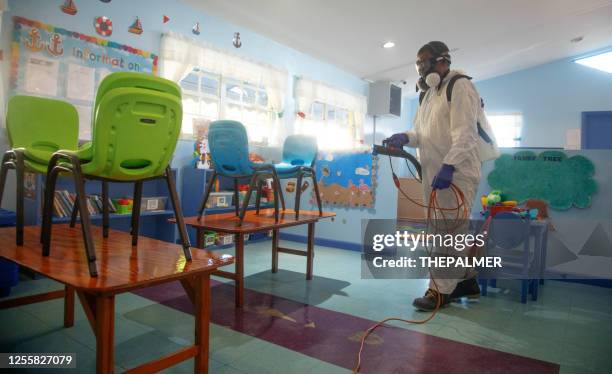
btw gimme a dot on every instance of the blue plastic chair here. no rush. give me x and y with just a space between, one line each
229 153
299 157
509 238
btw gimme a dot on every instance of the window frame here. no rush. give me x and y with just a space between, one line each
517 124
224 101
325 121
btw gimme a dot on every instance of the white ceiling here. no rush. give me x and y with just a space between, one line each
492 37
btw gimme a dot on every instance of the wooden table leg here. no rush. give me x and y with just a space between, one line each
105 334
239 261
310 251
202 323
275 250
200 238
69 307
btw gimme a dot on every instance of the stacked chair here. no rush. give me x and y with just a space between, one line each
229 152
36 128
136 124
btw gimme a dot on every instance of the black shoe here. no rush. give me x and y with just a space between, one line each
428 302
466 288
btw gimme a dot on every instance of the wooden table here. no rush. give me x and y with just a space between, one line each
253 222
122 268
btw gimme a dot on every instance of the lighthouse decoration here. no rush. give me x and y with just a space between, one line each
136 27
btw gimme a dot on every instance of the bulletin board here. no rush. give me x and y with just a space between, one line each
347 178
53 62
563 182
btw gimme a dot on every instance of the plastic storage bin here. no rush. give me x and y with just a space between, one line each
9 271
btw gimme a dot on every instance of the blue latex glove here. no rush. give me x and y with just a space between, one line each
444 177
397 140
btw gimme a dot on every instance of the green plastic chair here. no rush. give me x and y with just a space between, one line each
112 81
36 128
137 122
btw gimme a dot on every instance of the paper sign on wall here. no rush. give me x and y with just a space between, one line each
40 76
57 63
81 82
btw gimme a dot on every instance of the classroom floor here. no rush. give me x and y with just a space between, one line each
290 325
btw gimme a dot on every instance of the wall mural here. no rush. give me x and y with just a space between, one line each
347 179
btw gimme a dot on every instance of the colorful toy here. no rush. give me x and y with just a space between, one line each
201 155
495 202
124 205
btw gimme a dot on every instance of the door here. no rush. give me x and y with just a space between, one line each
596 130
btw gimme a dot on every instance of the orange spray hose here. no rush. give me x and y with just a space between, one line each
433 209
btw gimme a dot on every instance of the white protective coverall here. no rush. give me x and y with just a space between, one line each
446 133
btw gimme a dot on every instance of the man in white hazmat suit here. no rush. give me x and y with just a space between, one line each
446 136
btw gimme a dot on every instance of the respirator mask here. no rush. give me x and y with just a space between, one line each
426 70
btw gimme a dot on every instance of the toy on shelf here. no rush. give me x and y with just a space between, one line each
201 155
496 202
123 205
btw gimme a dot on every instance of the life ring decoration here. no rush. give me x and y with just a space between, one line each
104 26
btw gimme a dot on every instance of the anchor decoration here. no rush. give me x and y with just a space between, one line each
55 45
34 44
236 41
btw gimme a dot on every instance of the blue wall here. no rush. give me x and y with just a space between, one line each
551 98
347 226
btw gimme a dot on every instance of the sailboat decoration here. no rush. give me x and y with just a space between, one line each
136 27
196 29
69 7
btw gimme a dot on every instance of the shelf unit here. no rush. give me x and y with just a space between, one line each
153 224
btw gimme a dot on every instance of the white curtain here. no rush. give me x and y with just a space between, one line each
180 55
330 135
308 91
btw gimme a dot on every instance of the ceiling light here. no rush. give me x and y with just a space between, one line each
601 61
388 45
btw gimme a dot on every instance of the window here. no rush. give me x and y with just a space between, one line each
507 128
201 99
331 115
330 125
601 61
210 97
220 85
